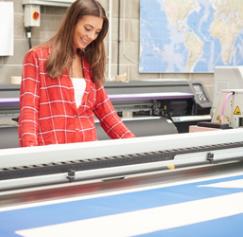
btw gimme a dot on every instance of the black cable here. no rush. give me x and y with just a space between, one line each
28 35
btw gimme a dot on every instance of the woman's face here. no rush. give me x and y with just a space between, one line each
86 31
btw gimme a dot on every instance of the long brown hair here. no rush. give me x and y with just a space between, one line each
61 44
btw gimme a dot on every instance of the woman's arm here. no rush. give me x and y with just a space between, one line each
29 101
109 120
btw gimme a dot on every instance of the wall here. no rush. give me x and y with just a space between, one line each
129 43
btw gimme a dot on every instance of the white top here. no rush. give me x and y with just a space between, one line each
79 85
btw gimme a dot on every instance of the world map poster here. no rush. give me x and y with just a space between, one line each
183 36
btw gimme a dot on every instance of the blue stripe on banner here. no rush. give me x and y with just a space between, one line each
223 227
58 213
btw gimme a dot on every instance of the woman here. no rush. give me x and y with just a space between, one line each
62 83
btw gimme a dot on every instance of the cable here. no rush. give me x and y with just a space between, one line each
226 100
118 37
28 35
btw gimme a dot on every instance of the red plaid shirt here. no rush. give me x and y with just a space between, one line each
48 112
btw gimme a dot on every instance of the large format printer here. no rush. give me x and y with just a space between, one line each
181 102
147 107
165 185
146 186
9 110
